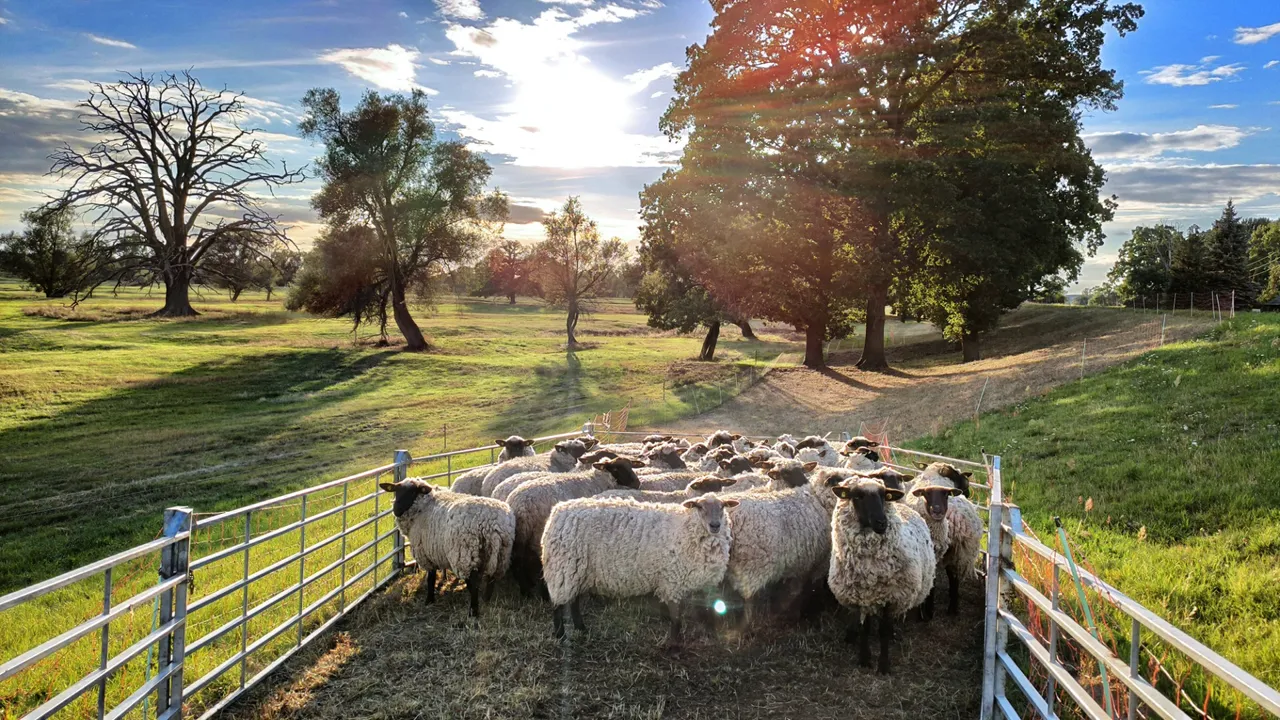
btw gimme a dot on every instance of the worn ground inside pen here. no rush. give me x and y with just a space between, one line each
401 658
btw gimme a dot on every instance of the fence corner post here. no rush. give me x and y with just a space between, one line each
991 615
175 561
589 428
402 460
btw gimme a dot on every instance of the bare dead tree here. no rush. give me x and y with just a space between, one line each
170 178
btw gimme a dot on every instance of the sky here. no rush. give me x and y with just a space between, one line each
563 96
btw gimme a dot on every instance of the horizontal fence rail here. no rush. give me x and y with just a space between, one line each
238 593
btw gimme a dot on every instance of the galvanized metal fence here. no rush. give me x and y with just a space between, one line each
237 594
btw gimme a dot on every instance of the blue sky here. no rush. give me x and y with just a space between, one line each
564 96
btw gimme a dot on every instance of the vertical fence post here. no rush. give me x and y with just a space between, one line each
244 603
1174 305
302 562
1233 303
991 616
102 662
1135 642
1050 689
342 571
402 459
1006 559
174 562
1084 347
1163 321
1193 304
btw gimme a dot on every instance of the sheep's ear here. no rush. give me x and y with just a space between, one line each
956 491
590 442
691 504
602 465
922 466
773 473
560 447
841 492
389 487
730 503
637 462
736 436
809 466
833 480
724 464
848 453
500 443
919 492
873 455
726 482
527 443
968 475
892 494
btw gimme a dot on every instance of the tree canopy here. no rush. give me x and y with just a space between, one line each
393 191
49 257
573 263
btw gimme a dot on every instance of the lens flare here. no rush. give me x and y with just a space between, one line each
720 607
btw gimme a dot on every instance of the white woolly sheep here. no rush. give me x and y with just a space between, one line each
531 503
721 437
955 529
816 449
472 536
693 455
780 536
562 458
621 548
472 481
862 459
662 458
881 560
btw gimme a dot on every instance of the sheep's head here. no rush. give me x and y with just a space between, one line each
709 484
959 479
515 446
667 456
622 469
711 508
587 441
695 451
735 465
812 441
657 439
863 458
573 448
888 477
935 498
407 493
722 437
791 473
859 442
786 450
867 497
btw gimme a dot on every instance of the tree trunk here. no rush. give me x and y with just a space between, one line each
745 327
511 298
177 295
268 292
814 338
571 324
709 342
969 346
873 345
413 337
235 294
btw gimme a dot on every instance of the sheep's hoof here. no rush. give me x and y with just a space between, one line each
882 669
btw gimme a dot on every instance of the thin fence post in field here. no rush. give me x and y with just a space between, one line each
1050 692
1084 347
302 561
244 603
1175 303
402 461
1163 321
1233 303
102 663
1135 642
342 572
174 561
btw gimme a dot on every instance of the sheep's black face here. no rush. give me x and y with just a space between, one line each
957 478
889 477
710 484
712 510
935 499
514 445
407 493
721 437
868 498
622 470
573 448
670 457
595 456
736 465
813 441
785 450
791 475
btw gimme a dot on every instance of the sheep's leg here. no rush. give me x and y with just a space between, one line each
489 585
473 589
431 586
953 589
886 638
673 634
557 621
851 634
926 610
864 641
575 609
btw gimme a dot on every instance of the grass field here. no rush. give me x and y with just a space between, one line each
1164 472
120 417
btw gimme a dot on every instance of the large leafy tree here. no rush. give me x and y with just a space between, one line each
48 255
509 270
829 100
1145 265
574 263
422 200
1264 260
171 180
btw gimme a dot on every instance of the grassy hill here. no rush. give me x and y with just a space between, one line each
1164 472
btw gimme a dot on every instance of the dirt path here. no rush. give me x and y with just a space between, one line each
1036 349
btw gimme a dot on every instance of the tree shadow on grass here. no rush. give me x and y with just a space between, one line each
551 396
93 479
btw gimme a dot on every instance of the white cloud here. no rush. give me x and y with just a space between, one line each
402 14
1168 190
1271 64
1255 35
1209 58
547 122
460 9
487 73
389 68
110 42
583 3
83 87
1186 75
1202 138
438 61
1223 107
657 94
266 111
4 21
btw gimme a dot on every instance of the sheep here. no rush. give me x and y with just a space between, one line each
786 439
721 437
938 495
780 536
471 481
562 458
710 462
760 454
701 486
532 502
670 481
665 457
621 548
881 560
786 450
859 441
816 449
863 459
786 473
472 536
694 454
